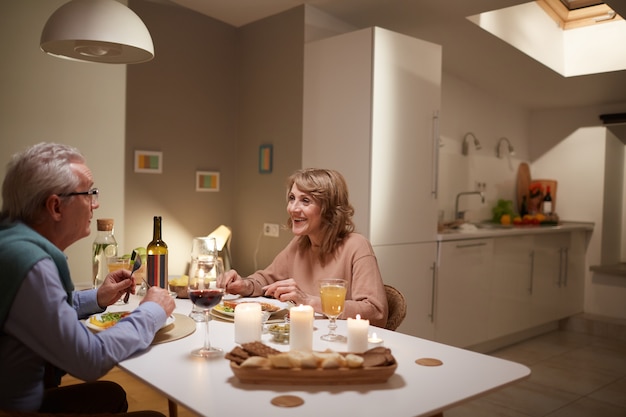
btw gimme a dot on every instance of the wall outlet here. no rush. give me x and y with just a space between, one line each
270 229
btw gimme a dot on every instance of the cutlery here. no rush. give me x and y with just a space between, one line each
136 265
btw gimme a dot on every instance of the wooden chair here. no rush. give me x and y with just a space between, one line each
397 307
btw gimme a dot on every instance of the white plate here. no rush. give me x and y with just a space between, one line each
170 320
282 305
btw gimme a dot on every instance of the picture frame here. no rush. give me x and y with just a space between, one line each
266 159
207 181
148 162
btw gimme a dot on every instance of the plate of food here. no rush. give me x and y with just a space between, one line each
103 321
227 307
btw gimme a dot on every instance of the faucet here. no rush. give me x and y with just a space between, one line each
460 215
465 146
511 150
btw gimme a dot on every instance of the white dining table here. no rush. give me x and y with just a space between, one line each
209 387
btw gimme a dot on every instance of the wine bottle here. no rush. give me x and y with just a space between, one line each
547 202
156 269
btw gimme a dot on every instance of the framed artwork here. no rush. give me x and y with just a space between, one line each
207 181
148 162
265 159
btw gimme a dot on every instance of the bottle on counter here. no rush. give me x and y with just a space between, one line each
104 247
156 270
547 202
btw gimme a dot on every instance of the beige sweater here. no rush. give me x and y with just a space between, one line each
353 261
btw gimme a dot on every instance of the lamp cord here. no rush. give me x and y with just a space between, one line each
256 250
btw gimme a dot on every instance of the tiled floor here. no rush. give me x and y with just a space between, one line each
574 374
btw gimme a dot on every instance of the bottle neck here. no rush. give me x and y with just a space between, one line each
156 231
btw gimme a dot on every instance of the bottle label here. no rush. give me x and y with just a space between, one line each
157 270
547 207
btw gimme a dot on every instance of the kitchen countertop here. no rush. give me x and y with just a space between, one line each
500 231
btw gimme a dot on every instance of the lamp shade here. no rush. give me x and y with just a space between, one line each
98 31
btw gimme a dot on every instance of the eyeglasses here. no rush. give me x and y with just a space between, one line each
93 193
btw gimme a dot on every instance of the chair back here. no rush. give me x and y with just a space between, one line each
397 307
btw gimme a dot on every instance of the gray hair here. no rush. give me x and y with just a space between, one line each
35 174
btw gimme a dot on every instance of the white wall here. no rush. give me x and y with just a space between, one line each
468 109
49 99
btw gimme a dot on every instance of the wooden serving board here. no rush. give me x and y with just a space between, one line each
341 376
523 184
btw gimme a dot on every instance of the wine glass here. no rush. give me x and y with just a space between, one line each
204 294
202 248
333 297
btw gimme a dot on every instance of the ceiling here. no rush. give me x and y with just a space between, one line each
469 53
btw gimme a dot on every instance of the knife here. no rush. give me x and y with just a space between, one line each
136 265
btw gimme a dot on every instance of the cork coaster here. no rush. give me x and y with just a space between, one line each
183 326
287 401
428 362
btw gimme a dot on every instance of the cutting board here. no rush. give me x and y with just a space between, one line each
523 184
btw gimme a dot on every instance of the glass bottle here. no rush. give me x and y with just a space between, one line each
156 269
547 202
104 247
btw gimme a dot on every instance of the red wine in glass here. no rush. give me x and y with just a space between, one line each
207 298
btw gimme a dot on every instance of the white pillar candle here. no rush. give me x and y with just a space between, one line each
247 322
357 334
301 328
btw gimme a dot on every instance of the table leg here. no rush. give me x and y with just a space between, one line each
172 408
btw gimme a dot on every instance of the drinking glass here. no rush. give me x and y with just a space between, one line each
202 248
205 295
333 297
116 263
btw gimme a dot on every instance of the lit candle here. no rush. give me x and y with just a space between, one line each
247 322
357 334
301 328
374 340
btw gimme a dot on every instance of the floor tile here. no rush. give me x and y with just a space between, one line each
614 393
571 376
532 399
588 407
482 408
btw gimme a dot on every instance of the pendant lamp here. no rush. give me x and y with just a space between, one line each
98 31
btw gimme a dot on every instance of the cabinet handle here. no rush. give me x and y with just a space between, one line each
470 245
532 272
432 293
435 174
565 265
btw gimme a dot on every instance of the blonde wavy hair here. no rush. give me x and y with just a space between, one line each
329 190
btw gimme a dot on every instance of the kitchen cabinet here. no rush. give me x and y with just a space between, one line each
371 103
511 285
463 291
418 284
558 276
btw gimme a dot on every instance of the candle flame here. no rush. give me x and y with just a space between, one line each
358 317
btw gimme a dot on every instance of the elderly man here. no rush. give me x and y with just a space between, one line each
47 204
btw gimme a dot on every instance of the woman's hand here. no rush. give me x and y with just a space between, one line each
115 285
287 290
234 284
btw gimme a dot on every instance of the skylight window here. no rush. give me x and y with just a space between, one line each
583 40
571 14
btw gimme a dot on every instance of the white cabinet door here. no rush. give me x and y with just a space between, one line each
463 291
511 285
370 103
571 297
412 270
549 269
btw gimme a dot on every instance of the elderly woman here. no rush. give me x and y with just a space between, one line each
325 246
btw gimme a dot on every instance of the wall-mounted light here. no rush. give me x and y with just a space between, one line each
465 146
97 31
511 149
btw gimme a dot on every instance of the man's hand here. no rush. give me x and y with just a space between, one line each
162 297
115 285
